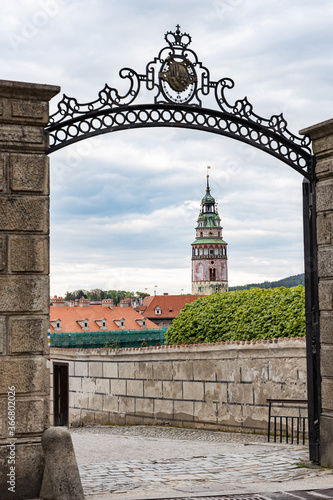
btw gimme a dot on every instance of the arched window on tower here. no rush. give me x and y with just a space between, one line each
212 274
201 234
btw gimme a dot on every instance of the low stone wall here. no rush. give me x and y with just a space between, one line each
221 386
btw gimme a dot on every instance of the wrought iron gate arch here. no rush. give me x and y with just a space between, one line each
180 83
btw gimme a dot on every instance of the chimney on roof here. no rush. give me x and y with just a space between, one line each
125 302
58 301
107 303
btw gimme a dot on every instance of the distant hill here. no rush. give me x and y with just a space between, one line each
289 282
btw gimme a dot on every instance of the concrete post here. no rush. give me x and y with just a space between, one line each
24 285
322 143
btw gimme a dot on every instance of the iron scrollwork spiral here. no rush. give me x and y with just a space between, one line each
179 83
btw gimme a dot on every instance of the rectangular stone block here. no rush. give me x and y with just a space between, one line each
28 254
240 393
326 295
126 370
326 328
152 389
324 195
183 410
324 228
30 416
96 402
27 375
204 370
205 411
215 391
110 403
253 370
88 385
2 172
172 389
118 387
183 370
326 394
193 390
162 370
163 409
2 334
230 415
144 370
228 370
74 417
135 388
326 439
325 262
29 172
326 365
18 136
75 384
28 334
81 368
110 369
126 405
80 400
24 213
256 417
95 369
103 385
24 293
144 407
29 109
3 253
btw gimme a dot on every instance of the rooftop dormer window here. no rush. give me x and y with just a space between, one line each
158 310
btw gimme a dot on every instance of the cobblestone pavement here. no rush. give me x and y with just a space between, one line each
250 461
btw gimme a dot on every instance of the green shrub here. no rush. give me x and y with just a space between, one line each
241 315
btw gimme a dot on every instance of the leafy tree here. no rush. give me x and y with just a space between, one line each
241 315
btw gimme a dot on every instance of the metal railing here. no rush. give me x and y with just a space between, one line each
108 339
293 428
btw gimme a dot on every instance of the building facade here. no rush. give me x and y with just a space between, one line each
209 250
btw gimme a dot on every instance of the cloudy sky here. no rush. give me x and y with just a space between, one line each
124 206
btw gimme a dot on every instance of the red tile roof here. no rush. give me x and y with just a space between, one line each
69 317
170 305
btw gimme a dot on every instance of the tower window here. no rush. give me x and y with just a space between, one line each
212 274
211 251
201 234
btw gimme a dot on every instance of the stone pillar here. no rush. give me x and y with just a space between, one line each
322 143
24 285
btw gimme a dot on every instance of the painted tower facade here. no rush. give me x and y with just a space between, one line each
209 251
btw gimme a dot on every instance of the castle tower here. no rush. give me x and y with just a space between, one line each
209 251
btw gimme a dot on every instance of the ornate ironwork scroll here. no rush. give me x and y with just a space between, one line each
179 84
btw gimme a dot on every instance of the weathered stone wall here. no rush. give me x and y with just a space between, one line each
322 143
214 386
24 282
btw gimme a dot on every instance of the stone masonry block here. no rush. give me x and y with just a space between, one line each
24 213
325 262
3 417
126 405
255 417
162 370
88 385
326 394
215 391
18 137
326 327
27 375
2 172
240 393
81 369
183 370
163 409
230 415
324 195
228 370
205 412
183 410
284 370
28 334
326 365
75 384
324 228
118 387
24 293
103 385
28 254
135 388
193 390
95 369
29 109
144 407
110 369
204 370
110 403
326 295
96 402
172 389
326 439
29 416
144 370
3 253
29 172
324 167
152 389
80 400
2 334
126 370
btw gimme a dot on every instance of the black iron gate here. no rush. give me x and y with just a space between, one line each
179 84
